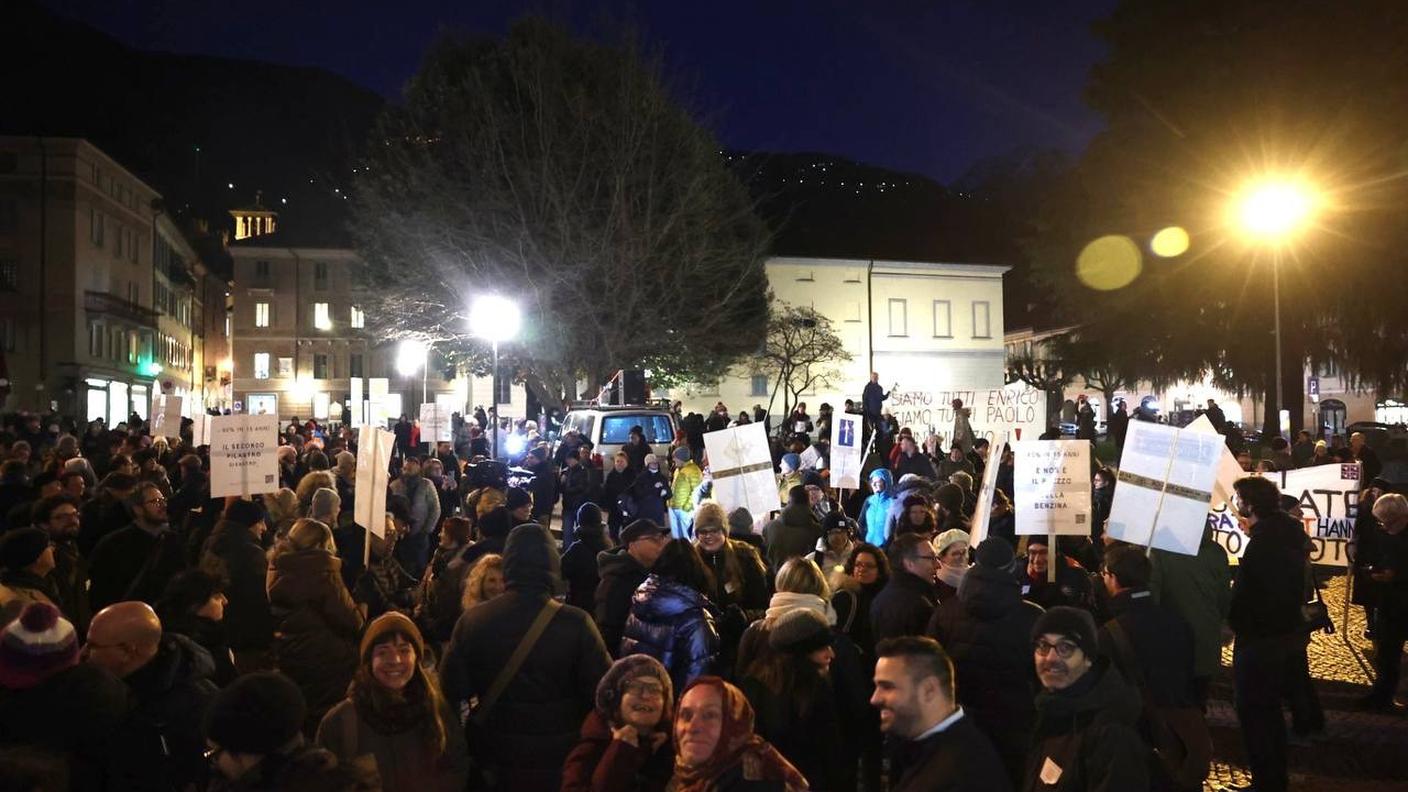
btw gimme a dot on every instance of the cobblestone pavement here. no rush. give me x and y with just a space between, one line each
1361 751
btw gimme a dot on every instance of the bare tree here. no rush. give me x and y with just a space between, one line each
562 174
803 350
1043 370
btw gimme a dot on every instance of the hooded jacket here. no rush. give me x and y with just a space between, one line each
792 535
674 624
163 741
534 724
687 478
248 621
874 515
1088 733
580 570
620 574
316 626
987 631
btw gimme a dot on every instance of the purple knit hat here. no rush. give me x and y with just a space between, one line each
37 645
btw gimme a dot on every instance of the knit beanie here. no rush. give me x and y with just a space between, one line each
994 552
588 517
37 645
949 496
681 454
811 478
387 624
1073 623
838 521
325 504
243 512
740 521
257 714
517 498
22 547
799 631
790 463
949 538
613 685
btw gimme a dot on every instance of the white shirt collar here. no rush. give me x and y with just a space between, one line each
942 725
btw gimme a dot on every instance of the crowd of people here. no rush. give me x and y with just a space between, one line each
589 624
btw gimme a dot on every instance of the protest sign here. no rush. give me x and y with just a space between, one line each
845 451
1017 408
1329 503
740 465
1051 486
374 446
200 430
1228 470
435 423
243 455
982 513
1166 478
166 415
357 404
377 390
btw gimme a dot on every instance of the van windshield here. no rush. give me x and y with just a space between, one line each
615 428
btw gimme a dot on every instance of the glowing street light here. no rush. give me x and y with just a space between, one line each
410 355
1271 211
496 319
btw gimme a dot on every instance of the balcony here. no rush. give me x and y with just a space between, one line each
114 306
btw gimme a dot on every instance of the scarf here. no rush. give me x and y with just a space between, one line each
786 601
738 747
952 575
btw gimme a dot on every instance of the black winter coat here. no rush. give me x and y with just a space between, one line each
986 631
903 607
580 571
162 740
1088 731
1270 585
620 575
131 564
616 484
918 464
649 493
791 535
1163 647
210 636
75 713
957 759
674 624
249 624
852 603
812 741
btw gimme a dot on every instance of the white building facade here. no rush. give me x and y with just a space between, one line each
923 325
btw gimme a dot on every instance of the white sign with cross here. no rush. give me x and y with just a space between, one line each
740 465
1166 479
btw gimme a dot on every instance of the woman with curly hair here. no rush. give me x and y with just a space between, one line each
394 716
485 580
625 742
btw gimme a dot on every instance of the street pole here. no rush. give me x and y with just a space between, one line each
424 374
1276 300
494 397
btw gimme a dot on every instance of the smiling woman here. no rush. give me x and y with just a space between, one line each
625 741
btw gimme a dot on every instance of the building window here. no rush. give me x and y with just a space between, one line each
322 318
806 276
354 364
320 275
95 339
7 335
261 365
132 292
320 367
261 314
982 327
505 394
852 312
118 235
9 273
851 276
261 269
899 317
134 347
95 226
359 318
759 385
943 319
286 367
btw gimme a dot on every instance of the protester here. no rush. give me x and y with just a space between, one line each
236 550
671 617
686 480
617 483
438 599
530 704
1085 737
169 678
1071 586
622 570
649 495
135 562
59 517
395 714
740 578
874 514
413 550
794 533
26 559
484 582
579 560
986 630
316 621
937 746
625 740
907 602
1199 589
384 585
834 546
951 546
716 749
1390 570
194 606
1161 640
866 573
956 462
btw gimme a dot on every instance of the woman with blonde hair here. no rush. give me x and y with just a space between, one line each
283 510
315 621
485 580
394 716
311 483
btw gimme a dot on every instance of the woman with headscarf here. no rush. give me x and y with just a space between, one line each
625 741
716 749
951 547
394 717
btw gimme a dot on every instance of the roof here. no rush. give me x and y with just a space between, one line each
299 236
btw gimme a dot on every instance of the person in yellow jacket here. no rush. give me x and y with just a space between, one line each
687 479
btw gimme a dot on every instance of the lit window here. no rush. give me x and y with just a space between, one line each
359 318
261 365
321 316
261 314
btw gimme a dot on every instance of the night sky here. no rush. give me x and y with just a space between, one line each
930 87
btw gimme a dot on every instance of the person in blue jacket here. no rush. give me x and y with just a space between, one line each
875 512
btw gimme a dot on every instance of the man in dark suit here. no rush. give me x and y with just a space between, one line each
934 745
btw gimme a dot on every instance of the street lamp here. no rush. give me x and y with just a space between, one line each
1271 211
496 319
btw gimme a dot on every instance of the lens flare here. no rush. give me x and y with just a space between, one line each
1109 263
1170 242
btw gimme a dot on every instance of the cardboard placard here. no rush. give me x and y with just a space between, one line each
1166 478
846 451
243 455
374 446
1051 487
740 464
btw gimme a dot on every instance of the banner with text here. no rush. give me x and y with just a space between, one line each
244 455
435 426
1166 478
1051 486
374 446
1329 503
846 451
1017 408
740 465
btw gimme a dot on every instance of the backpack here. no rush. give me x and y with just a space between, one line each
1179 735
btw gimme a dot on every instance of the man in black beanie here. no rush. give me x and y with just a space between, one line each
253 728
1086 735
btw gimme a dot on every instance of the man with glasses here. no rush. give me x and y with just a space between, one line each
136 561
59 517
907 602
1087 713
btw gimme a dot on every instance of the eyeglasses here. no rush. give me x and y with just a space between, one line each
1064 649
154 501
708 532
865 565
928 557
646 689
